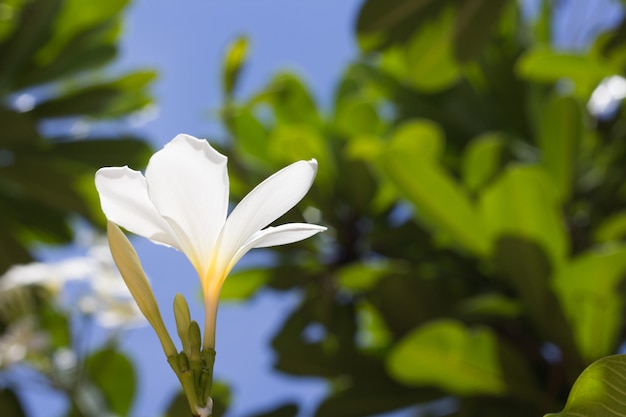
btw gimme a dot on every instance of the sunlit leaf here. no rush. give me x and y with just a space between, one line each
233 63
430 54
612 228
599 391
543 64
482 159
357 117
35 21
457 359
74 17
522 202
589 289
437 197
363 276
559 132
242 285
113 374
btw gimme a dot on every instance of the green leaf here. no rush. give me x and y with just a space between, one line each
291 100
249 134
589 289
112 99
482 159
9 16
522 202
288 143
99 152
490 305
474 25
439 200
371 394
241 285
559 133
91 101
381 22
357 116
233 63
430 62
612 228
460 360
363 276
546 65
74 18
599 391
10 403
34 24
113 373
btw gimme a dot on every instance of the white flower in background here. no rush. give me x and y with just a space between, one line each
182 202
607 96
20 339
101 291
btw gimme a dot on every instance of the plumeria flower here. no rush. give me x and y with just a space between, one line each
182 202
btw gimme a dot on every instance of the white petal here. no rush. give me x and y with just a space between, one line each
124 200
188 185
267 202
276 236
283 235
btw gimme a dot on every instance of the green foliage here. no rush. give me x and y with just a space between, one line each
599 391
475 209
474 263
51 52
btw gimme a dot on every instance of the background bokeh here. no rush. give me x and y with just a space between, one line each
471 174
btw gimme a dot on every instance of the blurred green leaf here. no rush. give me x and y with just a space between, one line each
612 228
545 65
291 101
288 143
599 390
113 373
430 61
10 11
355 117
242 285
457 359
363 276
10 404
252 136
474 25
99 152
75 16
113 99
233 63
33 26
482 160
381 22
589 288
523 202
491 305
559 134
437 197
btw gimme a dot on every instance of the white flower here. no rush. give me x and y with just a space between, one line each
183 201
